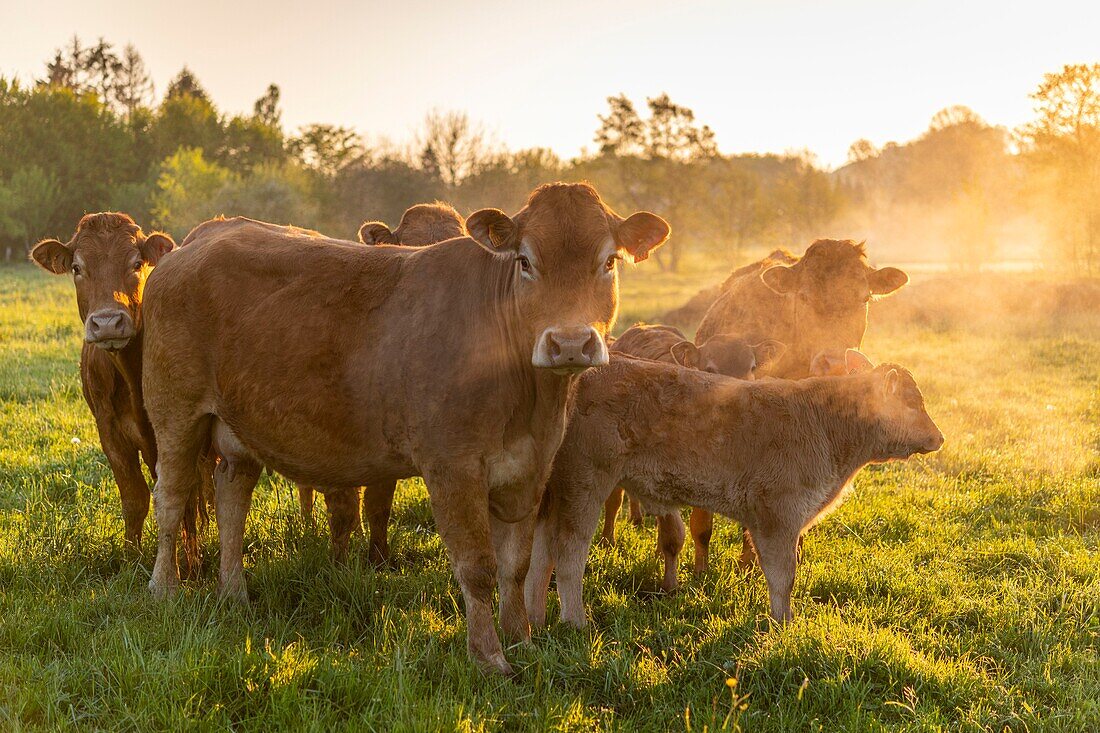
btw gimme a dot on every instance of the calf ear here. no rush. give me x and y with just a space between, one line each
155 246
375 232
767 352
493 230
890 382
640 233
52 256
781 278
686 354
886 280
856 363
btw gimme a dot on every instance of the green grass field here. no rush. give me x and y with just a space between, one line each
959 591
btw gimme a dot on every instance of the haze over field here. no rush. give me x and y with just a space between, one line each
767 77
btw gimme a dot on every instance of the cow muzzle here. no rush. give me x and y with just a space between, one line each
109 329
569 349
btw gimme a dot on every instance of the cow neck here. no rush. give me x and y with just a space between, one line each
127 362
545 393
839 405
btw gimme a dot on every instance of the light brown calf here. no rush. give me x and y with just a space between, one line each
342 366
722 354
109 258
420 225
774 454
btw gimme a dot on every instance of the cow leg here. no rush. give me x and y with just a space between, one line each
778 550
460 504
610 514
512 545
133 490
577 519
305 502
234 480
178 485
377 506
343 518
637 518
702 525
670 540
748 560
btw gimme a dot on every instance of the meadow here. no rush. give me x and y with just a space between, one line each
958 591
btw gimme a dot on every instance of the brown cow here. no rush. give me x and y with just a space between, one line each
110 258
421 225
774 454
341 366
723 354
813 303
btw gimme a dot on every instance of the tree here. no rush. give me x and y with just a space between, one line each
325 148
27 205
186 191
452 147
133 87
266 109
185 84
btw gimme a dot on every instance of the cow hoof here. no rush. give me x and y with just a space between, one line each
496 665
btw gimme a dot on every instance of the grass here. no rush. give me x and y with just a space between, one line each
960 591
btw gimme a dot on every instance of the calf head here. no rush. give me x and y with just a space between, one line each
729 355
110 258
898 407
831 286
420 225
565 244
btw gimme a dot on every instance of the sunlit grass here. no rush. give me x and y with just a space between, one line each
960 591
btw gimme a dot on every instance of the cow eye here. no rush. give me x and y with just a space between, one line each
138 265
609 265
77 270
524 263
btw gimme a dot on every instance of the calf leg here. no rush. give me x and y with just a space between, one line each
702 524
577 519
305 502
343 518
512 545
537 583
670 540
637 518
377 505
460 504
778 551
610 514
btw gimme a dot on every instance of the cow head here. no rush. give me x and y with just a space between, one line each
831 286
565 244
420 225
898 407
109 258
729 355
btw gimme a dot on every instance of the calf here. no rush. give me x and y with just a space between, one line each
341 366
420 225
110 257
775 455
722 354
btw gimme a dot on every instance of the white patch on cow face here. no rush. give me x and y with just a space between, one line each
609 255
526 262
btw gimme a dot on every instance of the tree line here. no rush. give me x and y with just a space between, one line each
91 134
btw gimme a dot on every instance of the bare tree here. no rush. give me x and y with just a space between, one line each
133 86
452 147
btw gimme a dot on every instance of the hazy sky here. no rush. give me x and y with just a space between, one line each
772 75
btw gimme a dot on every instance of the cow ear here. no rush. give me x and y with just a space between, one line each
686 354
855 362
767 352
375 232
494 230
155 246
890 382
781 279
52 256
886 280
641 233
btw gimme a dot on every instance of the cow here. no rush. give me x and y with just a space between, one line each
110 259
420 225
722 354
812 303
774 454
690 313
339 366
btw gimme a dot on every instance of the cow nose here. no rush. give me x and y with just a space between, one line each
935 442
109 329
570 349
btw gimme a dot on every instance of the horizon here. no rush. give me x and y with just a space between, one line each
975 62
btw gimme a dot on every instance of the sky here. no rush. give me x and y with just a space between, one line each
767 76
